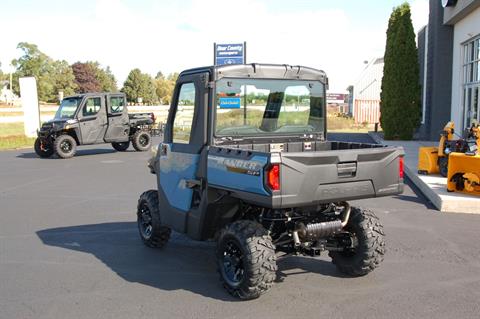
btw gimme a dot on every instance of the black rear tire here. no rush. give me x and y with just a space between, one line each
43 148
368 233
65 146
121 146
443 166
141 141
246 259
152 232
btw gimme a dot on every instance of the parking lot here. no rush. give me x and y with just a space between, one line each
69 248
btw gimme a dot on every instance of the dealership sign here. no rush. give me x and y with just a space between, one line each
336 98
230 53
230 102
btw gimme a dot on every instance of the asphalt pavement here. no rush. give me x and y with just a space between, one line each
69 248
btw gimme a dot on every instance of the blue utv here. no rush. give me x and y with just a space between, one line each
245 161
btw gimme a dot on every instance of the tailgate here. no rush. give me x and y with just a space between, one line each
309 178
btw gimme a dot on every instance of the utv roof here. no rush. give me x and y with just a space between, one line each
264 71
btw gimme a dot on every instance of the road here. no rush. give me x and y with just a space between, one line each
69 248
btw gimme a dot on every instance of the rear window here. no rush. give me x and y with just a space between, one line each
256 107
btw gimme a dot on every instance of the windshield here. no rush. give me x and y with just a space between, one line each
253 107
67 108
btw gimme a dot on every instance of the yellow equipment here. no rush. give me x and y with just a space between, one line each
433 160
464 168
428 160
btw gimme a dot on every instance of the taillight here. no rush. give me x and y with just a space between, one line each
400 167
273 177
153 117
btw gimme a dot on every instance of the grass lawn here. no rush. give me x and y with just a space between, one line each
346 125
50 114
12 136
255 117
7 129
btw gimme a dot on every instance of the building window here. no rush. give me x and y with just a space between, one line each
471 81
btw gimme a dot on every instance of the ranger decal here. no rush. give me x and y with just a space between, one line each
236 165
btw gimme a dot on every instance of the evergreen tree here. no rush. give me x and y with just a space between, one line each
400 96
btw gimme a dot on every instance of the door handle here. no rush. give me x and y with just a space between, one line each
192 183
164 150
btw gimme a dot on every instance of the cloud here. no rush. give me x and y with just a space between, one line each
172 36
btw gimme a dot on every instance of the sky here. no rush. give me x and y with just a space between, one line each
170 36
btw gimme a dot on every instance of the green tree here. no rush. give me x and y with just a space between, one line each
63 79
51 75
400 96
107 80
139 85
34 63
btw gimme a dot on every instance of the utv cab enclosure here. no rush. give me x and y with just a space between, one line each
245 161
94 118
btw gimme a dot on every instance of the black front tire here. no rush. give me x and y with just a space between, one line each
121 146
152 232
43 148
368 234
246 259
141 141
65 146
443 166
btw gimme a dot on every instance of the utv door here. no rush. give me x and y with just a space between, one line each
180 152
118 122
93 120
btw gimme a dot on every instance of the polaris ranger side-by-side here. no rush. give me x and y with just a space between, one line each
245 161
94 118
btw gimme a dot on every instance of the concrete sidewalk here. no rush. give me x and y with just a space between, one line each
434 187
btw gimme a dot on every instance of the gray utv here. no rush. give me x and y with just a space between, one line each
94 118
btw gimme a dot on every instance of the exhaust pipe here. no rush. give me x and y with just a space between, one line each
315 231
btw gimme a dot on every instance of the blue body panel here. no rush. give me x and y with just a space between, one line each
242 174
175 169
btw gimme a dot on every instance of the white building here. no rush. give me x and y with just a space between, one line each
6 95
465 19
449 55
366 93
